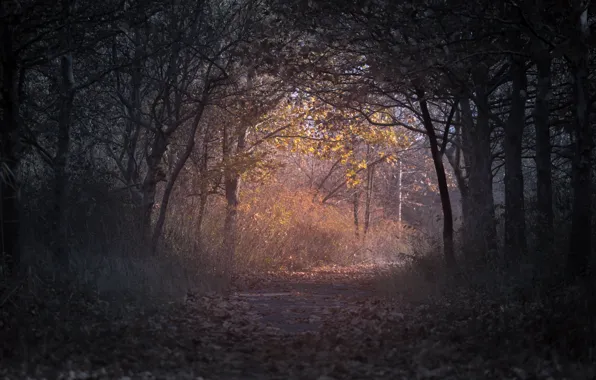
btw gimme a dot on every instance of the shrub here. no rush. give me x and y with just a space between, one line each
283 228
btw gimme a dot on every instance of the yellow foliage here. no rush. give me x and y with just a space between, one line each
329 133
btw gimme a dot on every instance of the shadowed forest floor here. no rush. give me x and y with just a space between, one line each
324 324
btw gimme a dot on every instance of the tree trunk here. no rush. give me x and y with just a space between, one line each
356 203
204 191
232 190
543 155
172 103
9 153
200 217
515 224
60 244
157 232
482 233
581 221
471 230
133 127
454 158
370 175
399 198
448 247
131 106
127 160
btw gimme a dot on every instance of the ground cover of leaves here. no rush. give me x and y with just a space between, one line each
323 324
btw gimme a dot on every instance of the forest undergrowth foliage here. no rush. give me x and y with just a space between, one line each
280 228
533 299
108 256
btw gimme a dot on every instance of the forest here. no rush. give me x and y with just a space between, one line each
264 189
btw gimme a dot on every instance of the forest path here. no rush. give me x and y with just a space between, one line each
325 324
298 302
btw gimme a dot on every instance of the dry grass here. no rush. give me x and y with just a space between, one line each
417 273
284 229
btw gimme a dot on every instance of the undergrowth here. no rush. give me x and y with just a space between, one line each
281 228
110 274
524 304
284 229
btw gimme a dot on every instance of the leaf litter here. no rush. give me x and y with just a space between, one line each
325 324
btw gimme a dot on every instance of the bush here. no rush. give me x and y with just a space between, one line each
283 228
108 254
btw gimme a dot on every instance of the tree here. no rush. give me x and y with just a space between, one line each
581 220
33 37
515 224
10 137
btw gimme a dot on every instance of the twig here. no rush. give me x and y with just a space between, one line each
9 294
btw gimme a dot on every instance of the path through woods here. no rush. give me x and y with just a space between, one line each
325 324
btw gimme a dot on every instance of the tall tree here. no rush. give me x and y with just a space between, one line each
515 224
11 81
544 188
66 96
581 220
437 155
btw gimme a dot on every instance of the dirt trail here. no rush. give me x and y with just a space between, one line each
300 302
322 325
